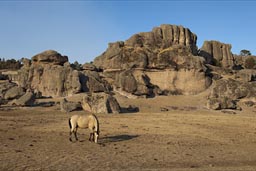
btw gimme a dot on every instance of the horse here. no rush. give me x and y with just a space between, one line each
84 121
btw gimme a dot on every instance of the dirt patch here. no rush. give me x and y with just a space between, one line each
182 140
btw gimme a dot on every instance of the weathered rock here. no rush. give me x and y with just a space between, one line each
221 103
184 81
26 62
100 103
5 86
67 106
14 92
158 61
50 80
245 62
27 99
49 57
249 103
89 66
163 37
141 50
217 53
246 75
127 82
92 82
226 92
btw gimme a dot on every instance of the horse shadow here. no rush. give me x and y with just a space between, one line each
117 138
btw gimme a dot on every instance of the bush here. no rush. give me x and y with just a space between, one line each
250 63
10 64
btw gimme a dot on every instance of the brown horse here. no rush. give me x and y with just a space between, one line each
84 121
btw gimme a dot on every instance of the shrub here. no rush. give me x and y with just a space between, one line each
250 63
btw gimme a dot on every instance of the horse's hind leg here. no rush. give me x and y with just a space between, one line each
73 131
70 136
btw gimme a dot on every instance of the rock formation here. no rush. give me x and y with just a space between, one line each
14 92
226 92
49 57
169 52
217 53
142 50
50 74
100 103
28 99
163 61
68 106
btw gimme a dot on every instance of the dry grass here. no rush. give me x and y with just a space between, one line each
187 137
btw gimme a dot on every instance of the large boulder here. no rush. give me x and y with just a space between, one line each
217 53
68 106
226 92
5 86
28 99
92 82
50 57
14 92
246 75
100 103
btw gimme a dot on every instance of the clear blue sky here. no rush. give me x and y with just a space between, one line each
82 29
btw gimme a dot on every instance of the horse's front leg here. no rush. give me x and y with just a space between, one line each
91 137
75 132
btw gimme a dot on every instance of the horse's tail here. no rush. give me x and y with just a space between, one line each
69 122
96 128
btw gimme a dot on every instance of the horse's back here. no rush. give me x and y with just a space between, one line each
83 121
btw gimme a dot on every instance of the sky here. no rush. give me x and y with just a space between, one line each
82 30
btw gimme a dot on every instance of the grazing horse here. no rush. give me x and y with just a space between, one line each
84 121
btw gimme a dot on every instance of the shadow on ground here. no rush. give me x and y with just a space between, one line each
117 138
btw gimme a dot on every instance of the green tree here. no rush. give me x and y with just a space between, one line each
245 52
76 66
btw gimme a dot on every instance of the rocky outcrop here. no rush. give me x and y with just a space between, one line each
226 92
163 37
142 50
217 53
48 75
50 80
137 65
100 103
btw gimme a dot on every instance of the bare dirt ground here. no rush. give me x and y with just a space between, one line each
187 137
